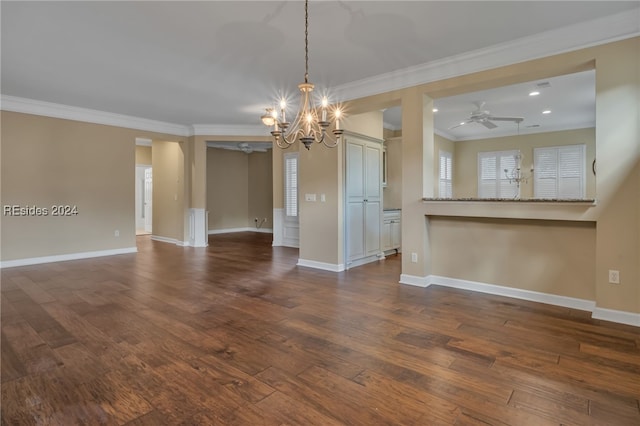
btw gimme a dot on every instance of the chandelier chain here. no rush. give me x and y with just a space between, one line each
306 41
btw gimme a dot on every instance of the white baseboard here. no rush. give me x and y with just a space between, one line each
278 227
321 265
622 317
246 229
167 240
516 293
66 257
414 280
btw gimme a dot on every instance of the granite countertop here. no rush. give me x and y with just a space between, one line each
516 200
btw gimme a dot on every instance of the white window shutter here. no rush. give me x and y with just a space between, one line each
571 165
487 169
545 173
559 172
445 184
291 184
492 178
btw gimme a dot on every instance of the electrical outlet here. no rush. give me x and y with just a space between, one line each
414 257
614 277
116 233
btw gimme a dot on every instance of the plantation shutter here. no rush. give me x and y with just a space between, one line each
492 179
291 184
559 172
445 187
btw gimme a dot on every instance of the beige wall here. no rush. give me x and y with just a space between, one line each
465 161
227 189
169 190
143 155
47 161
368 123
260 189
239 188
552 257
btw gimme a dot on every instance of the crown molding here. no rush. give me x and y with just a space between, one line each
229 130
579 36
49 109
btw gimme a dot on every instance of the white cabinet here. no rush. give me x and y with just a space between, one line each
363 197
391 231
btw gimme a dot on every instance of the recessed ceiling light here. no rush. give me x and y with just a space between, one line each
534 93
462 123
435 110
546 111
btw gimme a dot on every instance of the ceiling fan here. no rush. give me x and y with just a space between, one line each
484 117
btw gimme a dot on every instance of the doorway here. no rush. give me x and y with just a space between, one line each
144 206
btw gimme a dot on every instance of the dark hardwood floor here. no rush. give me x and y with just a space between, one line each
236 334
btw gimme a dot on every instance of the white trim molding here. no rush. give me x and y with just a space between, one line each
229 130
198 227
67 112
66 257
621 317
278 227
415 280
332 267
570 38
516 293
246 229
167 240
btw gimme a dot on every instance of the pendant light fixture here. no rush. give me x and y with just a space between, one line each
311 122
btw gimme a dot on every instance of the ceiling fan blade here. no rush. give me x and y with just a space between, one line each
460 124
488 124
515 119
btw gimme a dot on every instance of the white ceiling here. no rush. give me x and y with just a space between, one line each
223 62
571 100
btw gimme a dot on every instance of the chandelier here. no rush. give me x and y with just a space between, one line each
516 174
310 124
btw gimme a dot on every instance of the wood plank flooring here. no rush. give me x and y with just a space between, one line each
236 334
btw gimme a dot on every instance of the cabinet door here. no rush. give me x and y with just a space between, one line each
373 178
396 233
355 172
386 235
355 235
373 222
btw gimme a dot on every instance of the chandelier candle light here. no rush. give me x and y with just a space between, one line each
308 126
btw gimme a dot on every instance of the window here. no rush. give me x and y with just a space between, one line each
559 172
291 184
445 183
492 178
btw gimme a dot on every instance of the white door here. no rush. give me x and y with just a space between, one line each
148 198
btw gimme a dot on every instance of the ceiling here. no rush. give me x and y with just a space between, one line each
223 62
569 102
